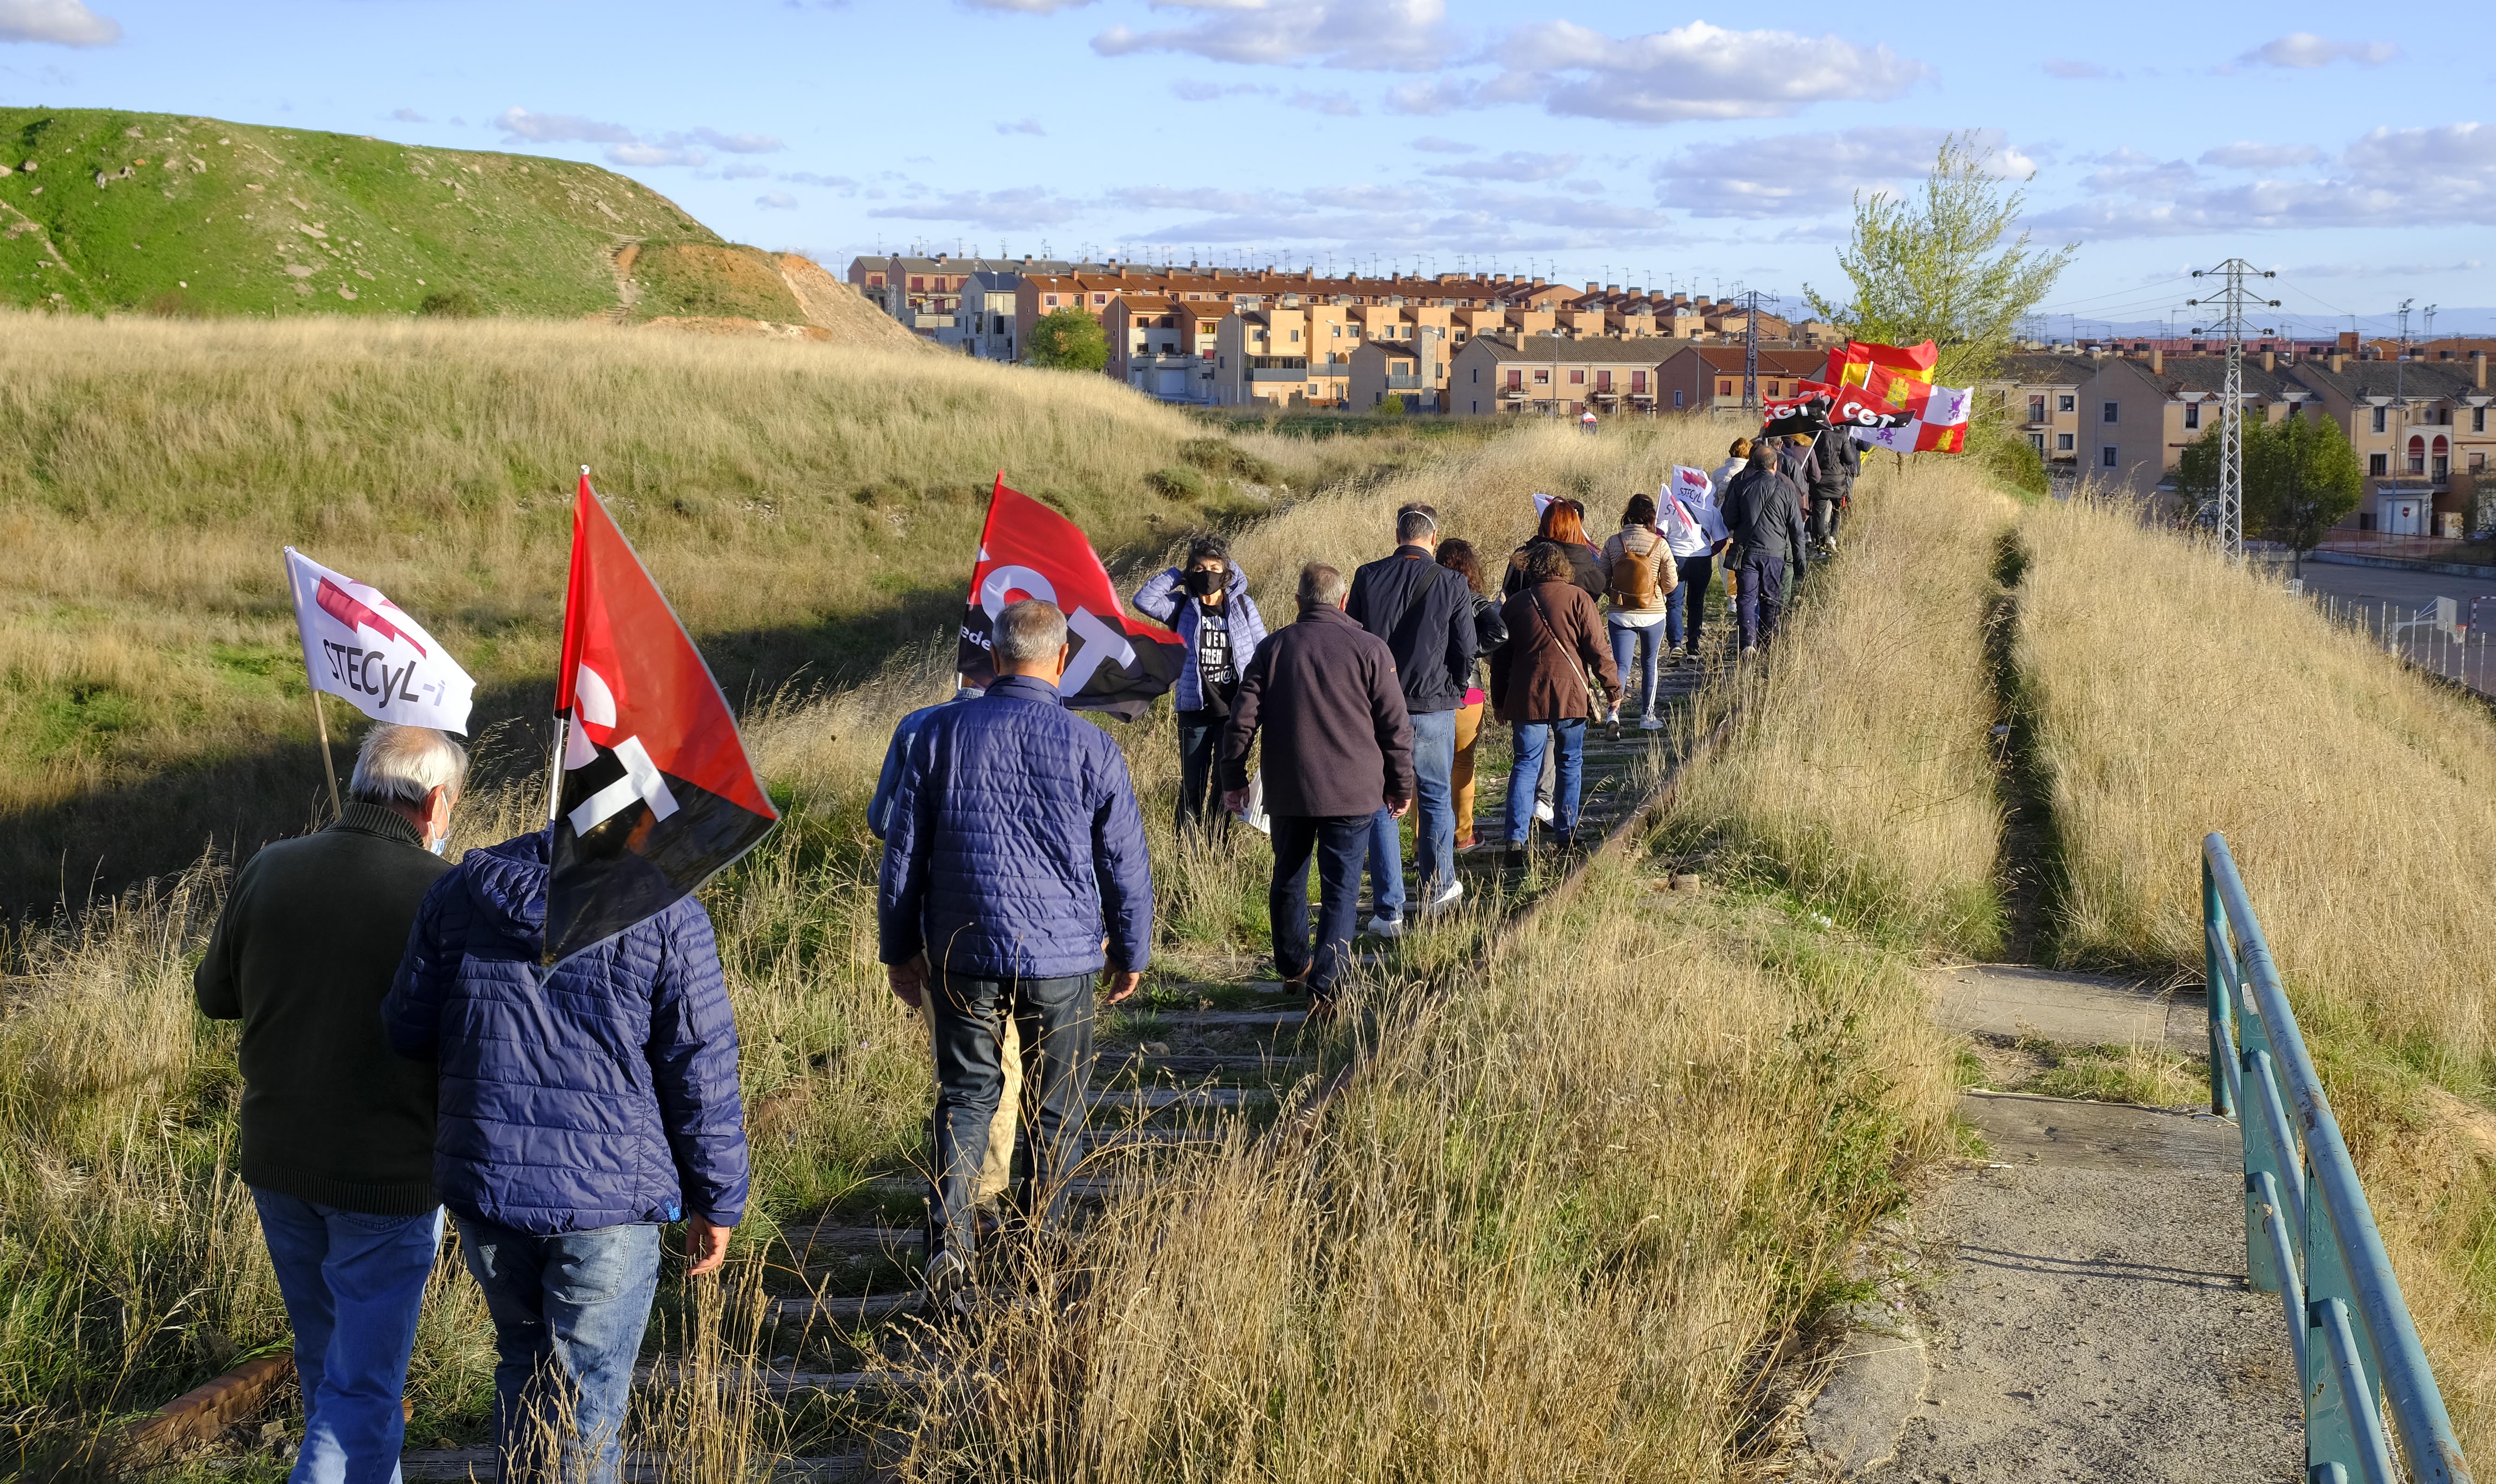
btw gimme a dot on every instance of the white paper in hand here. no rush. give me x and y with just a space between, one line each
361 647
1254 816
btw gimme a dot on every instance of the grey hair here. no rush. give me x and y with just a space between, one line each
1321 586
404 764
1414 521
1027 632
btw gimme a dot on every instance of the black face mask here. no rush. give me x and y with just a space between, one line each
1203 584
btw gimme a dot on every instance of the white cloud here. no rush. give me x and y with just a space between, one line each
1191 90
776 201
744 172
560 128
1023 126
1431 143
2304 48
1392 35
653 155
2246 155
1516 165
407 116
809 177
1024 7
1693 71
733 143
61 22
2076 72
1021 206
2444 175
2379 269
1334 105
1807 174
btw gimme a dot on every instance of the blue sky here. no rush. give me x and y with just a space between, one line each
1689 147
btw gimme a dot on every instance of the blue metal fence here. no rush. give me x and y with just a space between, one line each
2309 1236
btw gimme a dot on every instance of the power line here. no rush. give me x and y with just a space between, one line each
2232 305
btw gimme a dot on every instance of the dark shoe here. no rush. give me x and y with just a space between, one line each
1322 1008
1512 858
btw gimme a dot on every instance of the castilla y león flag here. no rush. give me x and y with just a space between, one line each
1115 664
657 795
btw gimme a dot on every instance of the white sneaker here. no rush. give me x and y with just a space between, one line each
1384 927
1650 723
1543 811
1613 719
1444 900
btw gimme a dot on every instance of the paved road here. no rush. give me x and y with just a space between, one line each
2373 592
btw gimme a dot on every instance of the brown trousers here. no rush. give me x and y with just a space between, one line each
1460 781
998 1172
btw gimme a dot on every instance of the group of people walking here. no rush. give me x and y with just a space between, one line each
405 1050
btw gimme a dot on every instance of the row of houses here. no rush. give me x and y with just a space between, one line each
1158 318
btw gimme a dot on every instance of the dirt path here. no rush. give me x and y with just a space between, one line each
2076 1304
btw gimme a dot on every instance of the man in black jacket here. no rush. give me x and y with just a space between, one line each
1834 465
1338 753
338 1131
1764 515
1425 614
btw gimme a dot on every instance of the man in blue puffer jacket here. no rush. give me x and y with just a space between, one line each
1014 864
582 1106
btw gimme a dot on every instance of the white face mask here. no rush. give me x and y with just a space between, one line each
440 846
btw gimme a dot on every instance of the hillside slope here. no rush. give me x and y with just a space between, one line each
105 210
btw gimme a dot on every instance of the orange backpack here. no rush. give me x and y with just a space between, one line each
1633 584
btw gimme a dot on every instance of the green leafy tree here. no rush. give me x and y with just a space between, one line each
1934 266
1390 406
1068 340
2302 479
2196 476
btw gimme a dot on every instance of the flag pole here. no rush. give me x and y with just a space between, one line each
329 764
555 758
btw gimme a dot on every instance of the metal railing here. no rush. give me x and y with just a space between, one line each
2309 1235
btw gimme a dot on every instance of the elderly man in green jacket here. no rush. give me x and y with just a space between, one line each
337 1131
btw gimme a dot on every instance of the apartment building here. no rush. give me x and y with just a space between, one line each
1416 370
1262 354
2038 393
2422 428
1706 378
927 294
1543 375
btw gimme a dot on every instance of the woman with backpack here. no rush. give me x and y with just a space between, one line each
1640 573
1489 633
1538 686
1205 602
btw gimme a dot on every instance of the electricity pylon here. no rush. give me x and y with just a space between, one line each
2233 303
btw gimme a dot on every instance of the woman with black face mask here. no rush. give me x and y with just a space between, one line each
1205 602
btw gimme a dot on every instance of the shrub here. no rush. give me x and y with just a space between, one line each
1216 456
451 304
1178 482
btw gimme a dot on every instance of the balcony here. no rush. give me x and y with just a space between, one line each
1278 373
1405 383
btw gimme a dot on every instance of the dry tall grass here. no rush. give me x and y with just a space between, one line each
1860 773
806 509
2177 697
1553 1235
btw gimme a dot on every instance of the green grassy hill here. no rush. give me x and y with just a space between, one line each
102 209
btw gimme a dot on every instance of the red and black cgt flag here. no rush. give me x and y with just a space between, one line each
657 795
1853 407
1805 413
1115 663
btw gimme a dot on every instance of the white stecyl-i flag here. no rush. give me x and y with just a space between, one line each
361 647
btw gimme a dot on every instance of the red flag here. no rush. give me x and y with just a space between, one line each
1116 663
657 793
1852 406
1895 373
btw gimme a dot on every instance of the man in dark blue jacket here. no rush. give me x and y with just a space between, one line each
1763 516
581 1107
1425 614
1013 866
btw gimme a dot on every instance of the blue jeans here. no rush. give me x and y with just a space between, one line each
1690 596
1646 645
1053 1021
1337 845
352 1284
1567 741
569 1311
1762 600
1434 816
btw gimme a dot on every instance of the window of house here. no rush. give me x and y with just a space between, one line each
1676 397
2479 419
1637 380
2063 442
2105 457
1603 380
2037 441
1477 376
1542 377
1724 388
2192 415
1338 330
1516 380
1577 376
2066 403
2379 464
917 282
1050 300
1099 298
2109 415
2036 409
2380 415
